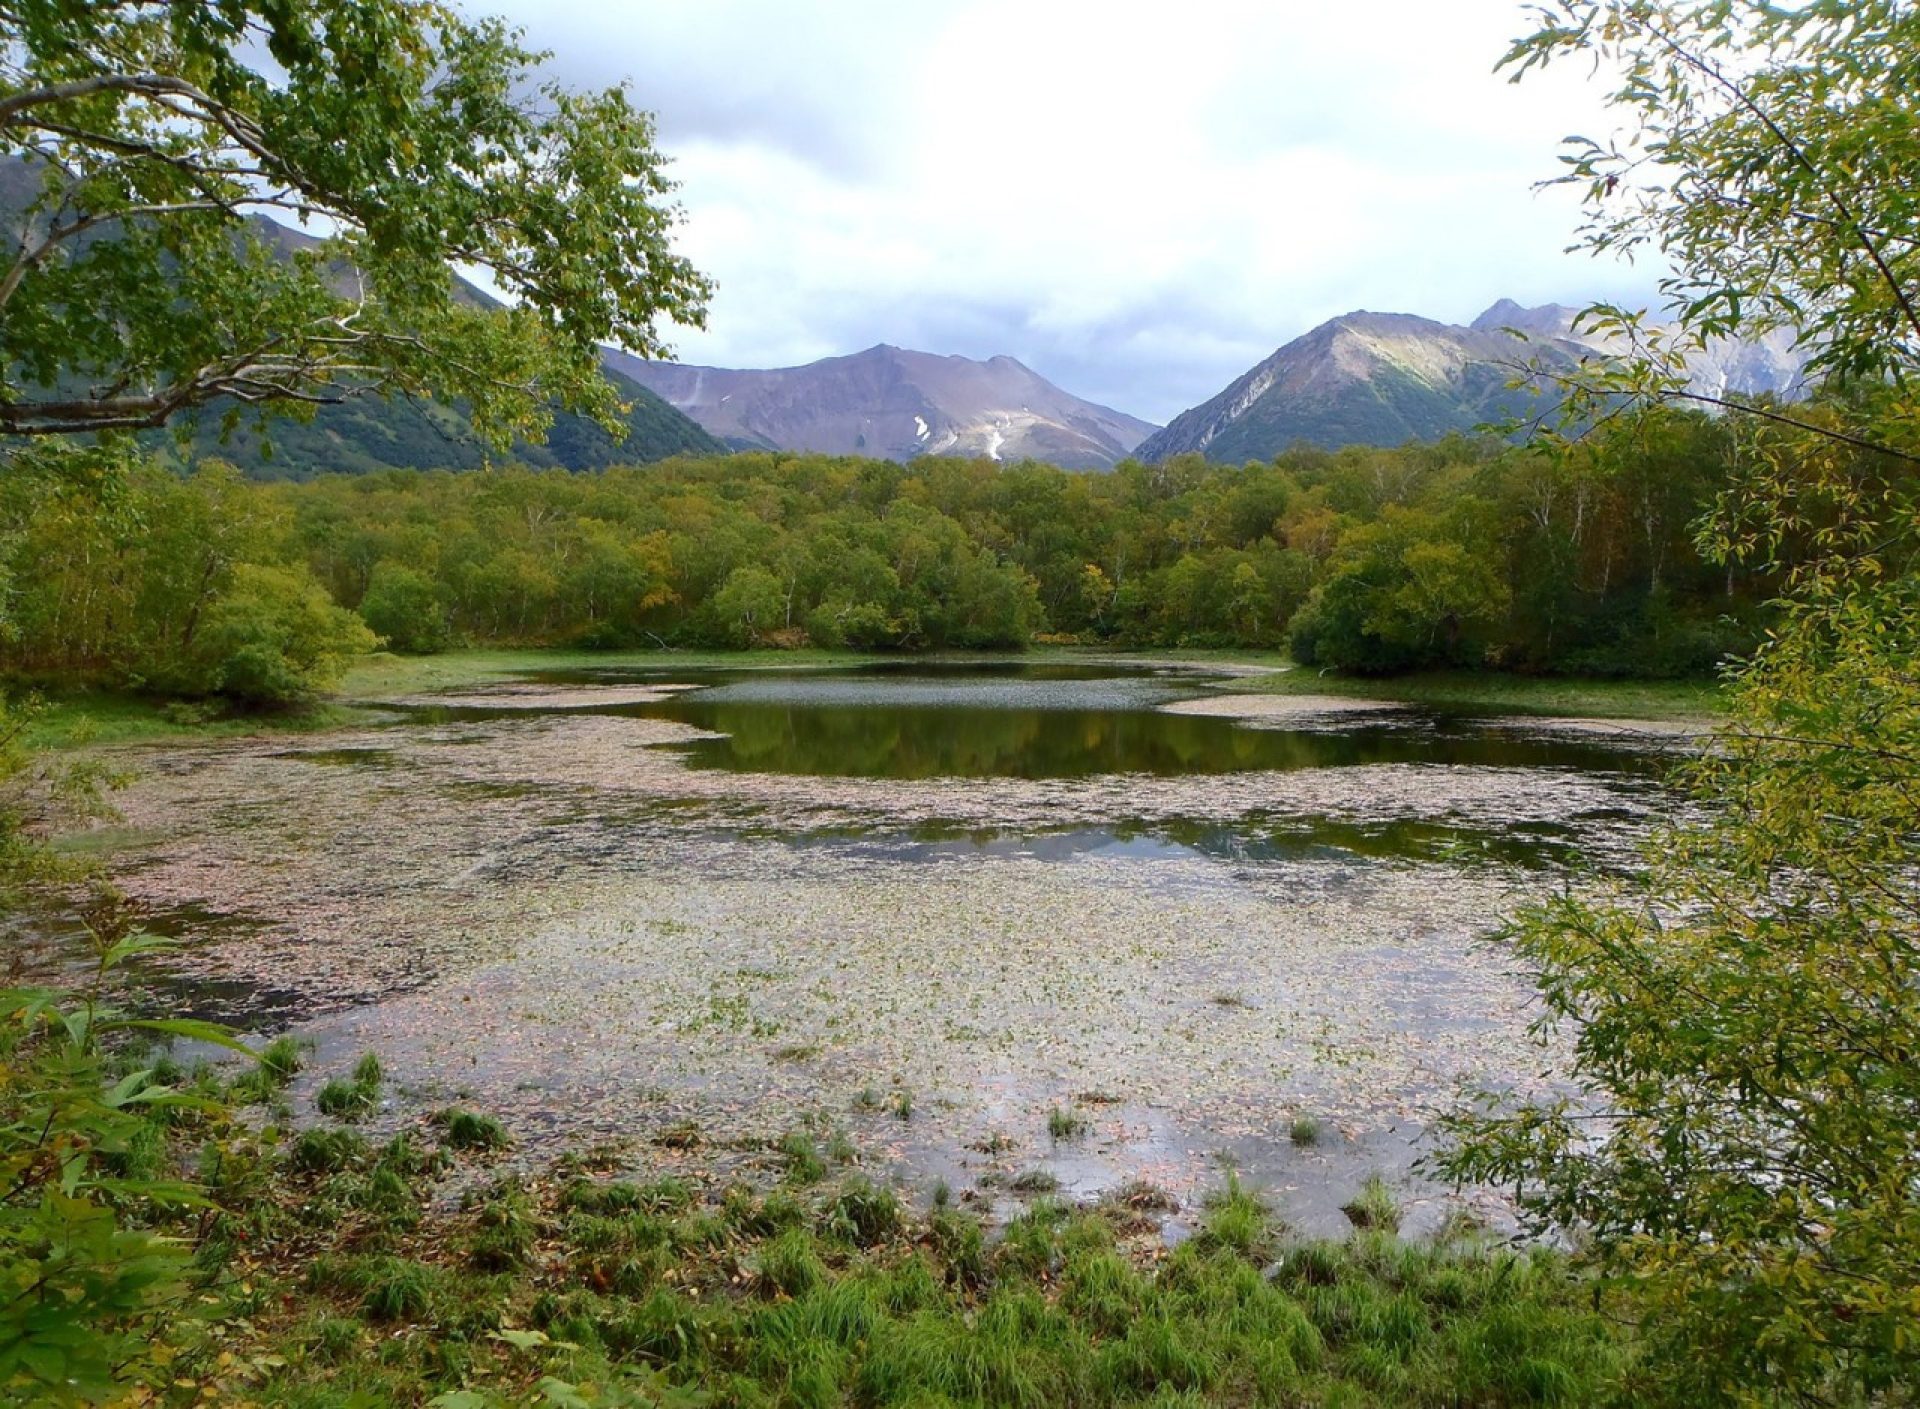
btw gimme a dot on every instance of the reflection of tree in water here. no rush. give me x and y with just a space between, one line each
919 741
870 743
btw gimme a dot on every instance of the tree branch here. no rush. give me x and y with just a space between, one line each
1839 202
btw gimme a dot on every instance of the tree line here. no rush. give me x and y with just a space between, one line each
1576 557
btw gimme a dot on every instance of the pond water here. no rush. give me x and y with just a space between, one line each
917 721
612 906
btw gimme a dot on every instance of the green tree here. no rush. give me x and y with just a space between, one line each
146 139
404 609
274 639
1407 591
749 605
1744 1025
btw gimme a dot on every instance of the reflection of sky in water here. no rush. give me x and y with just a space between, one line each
954 691
1292 841
914 720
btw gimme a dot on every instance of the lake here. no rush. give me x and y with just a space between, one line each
681 912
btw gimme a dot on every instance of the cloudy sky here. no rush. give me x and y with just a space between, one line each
1137 200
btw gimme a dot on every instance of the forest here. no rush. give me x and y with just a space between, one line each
1577 556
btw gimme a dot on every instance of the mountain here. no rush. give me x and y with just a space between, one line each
896 404
1386 378
367 433
1768 365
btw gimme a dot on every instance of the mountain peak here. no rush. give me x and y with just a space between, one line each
1501 315
895 403
1545 320
1386 378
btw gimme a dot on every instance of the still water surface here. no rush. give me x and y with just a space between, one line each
1063 721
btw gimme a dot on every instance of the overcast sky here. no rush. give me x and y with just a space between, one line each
1137 200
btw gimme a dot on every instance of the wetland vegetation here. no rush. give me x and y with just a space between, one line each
835 1019
1166 934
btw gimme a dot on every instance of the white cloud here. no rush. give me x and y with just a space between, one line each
1137 200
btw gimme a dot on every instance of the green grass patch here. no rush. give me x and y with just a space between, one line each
1066 1124
1489 692
75 719
367 1288
466 1130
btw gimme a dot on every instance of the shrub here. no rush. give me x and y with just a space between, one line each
274 639
403 607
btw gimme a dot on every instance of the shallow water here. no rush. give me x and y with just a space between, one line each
605 905
919 721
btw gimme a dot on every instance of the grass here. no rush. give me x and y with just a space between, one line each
841 1149
464 1130
282 1059
1304 1130
1240 1223
353 1099
1058 1313
1374 1207
367 1282
802 1160
345 1100
1034 1181
1493 693
275 1066
83 718
1066 1125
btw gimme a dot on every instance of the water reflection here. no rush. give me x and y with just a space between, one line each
928 721
912 729
1256 841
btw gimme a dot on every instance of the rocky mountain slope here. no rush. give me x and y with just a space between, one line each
1386 378
1770 365
896 404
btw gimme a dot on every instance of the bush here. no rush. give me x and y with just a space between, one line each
273 640
90 1289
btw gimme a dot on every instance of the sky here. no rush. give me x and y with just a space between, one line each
1139 201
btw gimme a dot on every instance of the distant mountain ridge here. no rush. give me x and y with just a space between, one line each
897 404
1387 378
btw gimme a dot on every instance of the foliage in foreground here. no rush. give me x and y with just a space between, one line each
91 1275
1742 1160
329 1274
139 141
